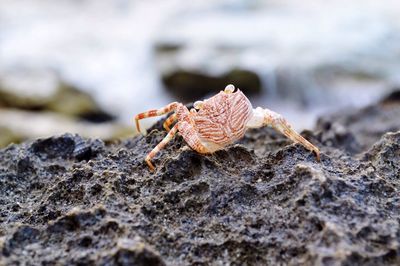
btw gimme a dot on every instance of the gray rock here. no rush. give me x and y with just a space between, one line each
357 130
264 201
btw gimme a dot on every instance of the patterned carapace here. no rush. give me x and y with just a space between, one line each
217 122
223 118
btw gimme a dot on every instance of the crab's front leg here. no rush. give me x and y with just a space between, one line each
263 117
185 128
171 134
169 121
156 112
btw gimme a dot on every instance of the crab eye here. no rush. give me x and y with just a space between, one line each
229 88
198 105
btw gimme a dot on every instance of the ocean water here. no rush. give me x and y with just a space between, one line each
107 48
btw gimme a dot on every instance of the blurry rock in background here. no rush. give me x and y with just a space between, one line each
316 56
39 90
356 130
301 59
37 103
191 86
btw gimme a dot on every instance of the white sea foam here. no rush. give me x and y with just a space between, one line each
107 47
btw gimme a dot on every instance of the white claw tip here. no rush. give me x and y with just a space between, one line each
197 105
230 88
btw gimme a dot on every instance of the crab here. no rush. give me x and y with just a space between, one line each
217 122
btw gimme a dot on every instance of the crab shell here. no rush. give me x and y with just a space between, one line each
222 118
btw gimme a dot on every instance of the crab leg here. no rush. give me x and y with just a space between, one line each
280 124
160 146
156 112
169 121
262 117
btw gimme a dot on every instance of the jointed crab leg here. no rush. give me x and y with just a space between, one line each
157 112
160 146
169 121
280 124
263 117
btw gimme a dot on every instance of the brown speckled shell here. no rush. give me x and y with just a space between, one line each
223 117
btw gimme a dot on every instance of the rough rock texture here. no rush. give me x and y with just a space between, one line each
66 200
357 130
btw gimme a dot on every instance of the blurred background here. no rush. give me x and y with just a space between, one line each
88 66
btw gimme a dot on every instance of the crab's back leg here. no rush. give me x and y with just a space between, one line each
160 146
156 112
263 117
169 121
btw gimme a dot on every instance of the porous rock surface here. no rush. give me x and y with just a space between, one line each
264 201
